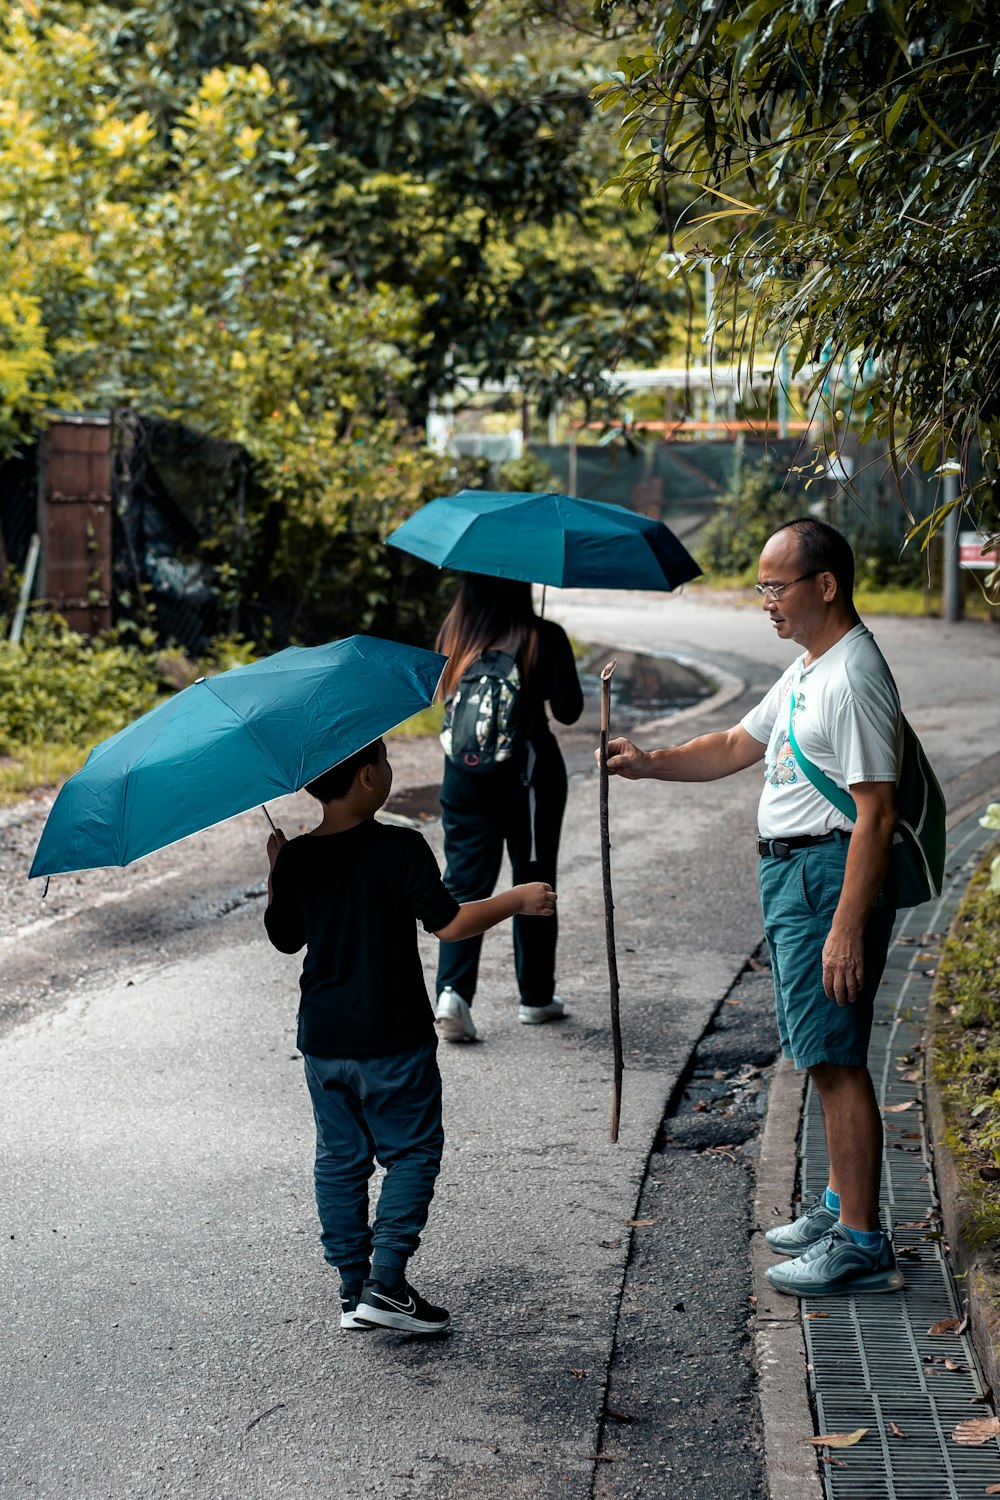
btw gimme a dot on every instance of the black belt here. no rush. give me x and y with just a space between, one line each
782 848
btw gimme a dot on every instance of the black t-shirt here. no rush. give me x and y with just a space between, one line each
552 679
353 899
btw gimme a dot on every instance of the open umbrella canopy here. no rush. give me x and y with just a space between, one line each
230 742
547 538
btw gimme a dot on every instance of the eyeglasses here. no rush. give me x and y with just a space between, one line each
775 590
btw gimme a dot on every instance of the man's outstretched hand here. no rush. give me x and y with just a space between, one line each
625 759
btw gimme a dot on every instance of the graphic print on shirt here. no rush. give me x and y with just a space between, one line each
784 769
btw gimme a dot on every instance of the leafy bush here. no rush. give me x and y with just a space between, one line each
58 687
528 473
757 502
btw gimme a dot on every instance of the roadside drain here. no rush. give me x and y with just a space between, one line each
873 1362
681 1408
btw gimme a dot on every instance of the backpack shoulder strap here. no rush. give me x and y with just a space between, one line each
842 801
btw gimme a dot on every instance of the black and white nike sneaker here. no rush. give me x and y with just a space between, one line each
399 1307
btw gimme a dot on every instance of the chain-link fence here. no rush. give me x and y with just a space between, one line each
180 507
186 565
18 507
682 483
678 483
178 529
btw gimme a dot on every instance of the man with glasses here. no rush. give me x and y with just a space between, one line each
827 919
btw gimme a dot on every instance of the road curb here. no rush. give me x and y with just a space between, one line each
779 1346
728 686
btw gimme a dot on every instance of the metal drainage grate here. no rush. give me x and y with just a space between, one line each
871 1359
923 1465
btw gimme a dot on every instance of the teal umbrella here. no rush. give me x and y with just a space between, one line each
229 743
547 538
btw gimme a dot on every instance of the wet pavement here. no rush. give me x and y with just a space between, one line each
170 1327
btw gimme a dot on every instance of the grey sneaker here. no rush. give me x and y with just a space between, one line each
536 1015
836 1267
453 1017
792 1239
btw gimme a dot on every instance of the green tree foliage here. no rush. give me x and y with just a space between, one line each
180 273
844 159
764 495
288 225
180 276
458 158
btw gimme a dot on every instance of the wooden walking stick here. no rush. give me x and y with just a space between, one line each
609 905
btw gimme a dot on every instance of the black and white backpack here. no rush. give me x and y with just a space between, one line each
484 718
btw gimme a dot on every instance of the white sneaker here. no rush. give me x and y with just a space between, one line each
454 1018
534 1015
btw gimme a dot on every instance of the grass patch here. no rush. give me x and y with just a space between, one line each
914 601
427 722
965 1052
25 768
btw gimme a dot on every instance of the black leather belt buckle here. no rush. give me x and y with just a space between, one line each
776 848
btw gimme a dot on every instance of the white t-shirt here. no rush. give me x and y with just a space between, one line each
847 721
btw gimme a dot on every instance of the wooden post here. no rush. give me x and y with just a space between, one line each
75 520
609 905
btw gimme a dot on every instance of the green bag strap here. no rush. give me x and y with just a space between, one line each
842 801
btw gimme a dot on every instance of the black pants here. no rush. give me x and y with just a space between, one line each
481 814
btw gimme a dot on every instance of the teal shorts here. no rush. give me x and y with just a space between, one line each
799 896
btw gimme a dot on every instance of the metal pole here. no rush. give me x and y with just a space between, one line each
784 375
27 582
711 405
709 300
571 485
951 579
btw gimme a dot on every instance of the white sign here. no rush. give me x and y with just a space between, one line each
970 552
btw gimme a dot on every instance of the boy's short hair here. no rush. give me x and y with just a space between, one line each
337 782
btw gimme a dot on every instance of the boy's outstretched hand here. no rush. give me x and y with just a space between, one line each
537 899
274 844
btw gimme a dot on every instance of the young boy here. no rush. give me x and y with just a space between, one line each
351 891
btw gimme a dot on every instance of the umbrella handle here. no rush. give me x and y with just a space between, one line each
268 817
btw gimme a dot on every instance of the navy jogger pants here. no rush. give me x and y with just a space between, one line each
366 1109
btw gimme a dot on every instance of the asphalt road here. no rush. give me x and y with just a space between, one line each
170 1328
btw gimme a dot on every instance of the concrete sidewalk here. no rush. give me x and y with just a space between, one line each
870 1361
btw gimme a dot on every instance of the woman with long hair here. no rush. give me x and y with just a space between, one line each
504 780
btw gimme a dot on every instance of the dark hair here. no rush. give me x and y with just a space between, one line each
823 549
337 782
486 610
